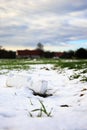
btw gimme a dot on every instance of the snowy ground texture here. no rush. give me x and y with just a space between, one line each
66 101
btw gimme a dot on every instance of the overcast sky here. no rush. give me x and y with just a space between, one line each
58 24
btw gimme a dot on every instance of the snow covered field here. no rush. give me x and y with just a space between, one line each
20 105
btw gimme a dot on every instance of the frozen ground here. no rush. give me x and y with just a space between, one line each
68 101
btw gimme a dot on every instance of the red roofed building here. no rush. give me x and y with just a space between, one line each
29 53
58 54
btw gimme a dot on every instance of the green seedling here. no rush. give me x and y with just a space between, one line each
42 110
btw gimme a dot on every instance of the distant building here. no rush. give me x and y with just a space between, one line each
37 54
58 55
29 53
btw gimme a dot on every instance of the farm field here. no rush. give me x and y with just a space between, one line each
45 94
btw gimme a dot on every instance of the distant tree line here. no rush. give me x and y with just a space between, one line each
4 54
80 53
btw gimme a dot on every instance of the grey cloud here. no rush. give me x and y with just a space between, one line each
50 22
63 6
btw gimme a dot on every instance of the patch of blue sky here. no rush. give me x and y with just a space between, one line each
78 41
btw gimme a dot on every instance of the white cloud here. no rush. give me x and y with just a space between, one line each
77 22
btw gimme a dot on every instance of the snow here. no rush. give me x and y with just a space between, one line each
17 100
